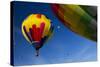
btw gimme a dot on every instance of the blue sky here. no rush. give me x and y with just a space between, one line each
64 46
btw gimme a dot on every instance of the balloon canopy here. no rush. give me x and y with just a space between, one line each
77 19
37 28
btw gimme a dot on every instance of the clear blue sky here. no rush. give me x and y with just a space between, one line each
63 47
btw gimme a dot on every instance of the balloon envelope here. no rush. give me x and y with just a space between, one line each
37 28
77 20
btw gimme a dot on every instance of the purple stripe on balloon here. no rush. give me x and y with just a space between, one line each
30 31
27 34
30 36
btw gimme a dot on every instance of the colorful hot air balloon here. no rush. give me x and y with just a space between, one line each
77 19
37 28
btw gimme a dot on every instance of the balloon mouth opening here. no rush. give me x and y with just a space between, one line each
35 42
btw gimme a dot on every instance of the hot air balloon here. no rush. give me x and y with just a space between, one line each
37 28
77 19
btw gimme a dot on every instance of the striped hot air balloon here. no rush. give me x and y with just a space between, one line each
37 28
77 19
